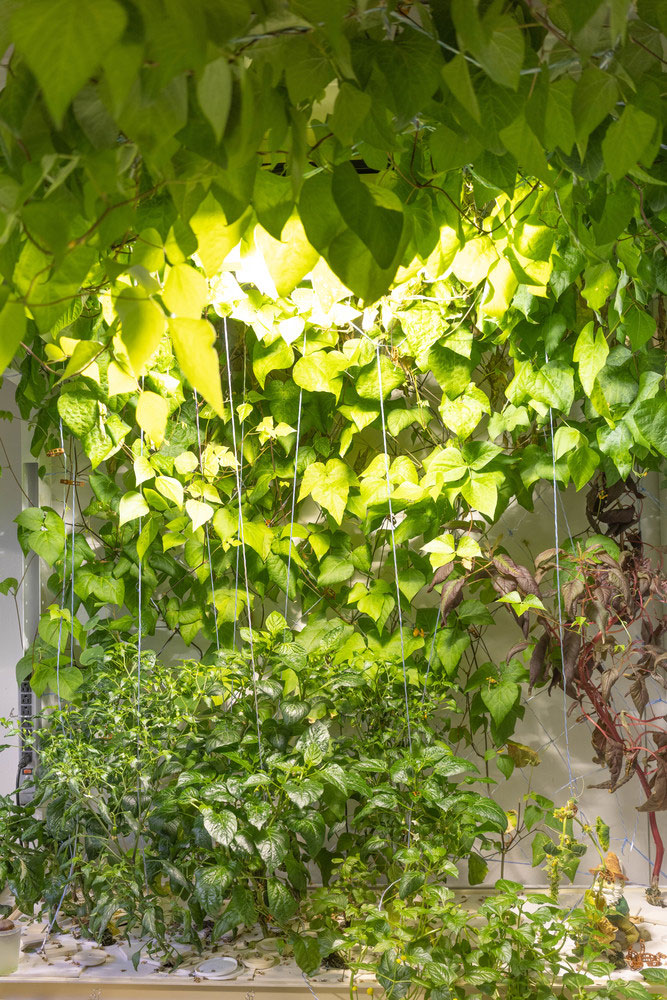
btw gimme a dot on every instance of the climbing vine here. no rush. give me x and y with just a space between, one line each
308 295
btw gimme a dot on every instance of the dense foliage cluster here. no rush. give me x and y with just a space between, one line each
302 297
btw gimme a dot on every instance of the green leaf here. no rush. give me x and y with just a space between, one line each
656 977
500 699
540 840
193 341
626 139
350 110
565 439
457 78
590 352
477 869
368 380
64 41
149 533
450 645
481 491
329 485
423 325
526 148
321 371
651 419
267 358
273 201
500 49
306 953
410 582
211 885
214 93
638 326
142 325
12 331
152 413
334 569
220 825
273 847
79 412
373 213
84 352
599 282
582 465
143 470
282 904
132 505
594 97
258 536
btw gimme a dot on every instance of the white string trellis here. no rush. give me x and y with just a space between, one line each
62 595
559 601
206 533
392 528
243 549
139 636
296 462
68 880
239 459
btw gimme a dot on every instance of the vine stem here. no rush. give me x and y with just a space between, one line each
655 832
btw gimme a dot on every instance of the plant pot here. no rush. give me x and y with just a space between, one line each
10 948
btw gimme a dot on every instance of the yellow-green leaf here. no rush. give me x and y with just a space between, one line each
143 470
199 512
152 413
131 506
119 381
185 291
142 325
12 331
193 341
171 489
288 259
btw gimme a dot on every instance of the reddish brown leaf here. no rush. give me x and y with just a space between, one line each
451 595
658 798
440 575
536 666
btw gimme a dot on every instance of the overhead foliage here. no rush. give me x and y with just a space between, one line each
440 223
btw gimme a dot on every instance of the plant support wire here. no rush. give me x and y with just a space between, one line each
243 549
206 534
296 462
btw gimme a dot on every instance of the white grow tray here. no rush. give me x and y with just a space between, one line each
117 980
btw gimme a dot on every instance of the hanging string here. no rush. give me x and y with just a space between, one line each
71 622
208 539
393 546
139 635
560 605
68 881
239 459
296 461
62 594
243 550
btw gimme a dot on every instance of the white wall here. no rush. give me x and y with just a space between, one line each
11 564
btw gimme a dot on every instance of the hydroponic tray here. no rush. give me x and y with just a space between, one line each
38 979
